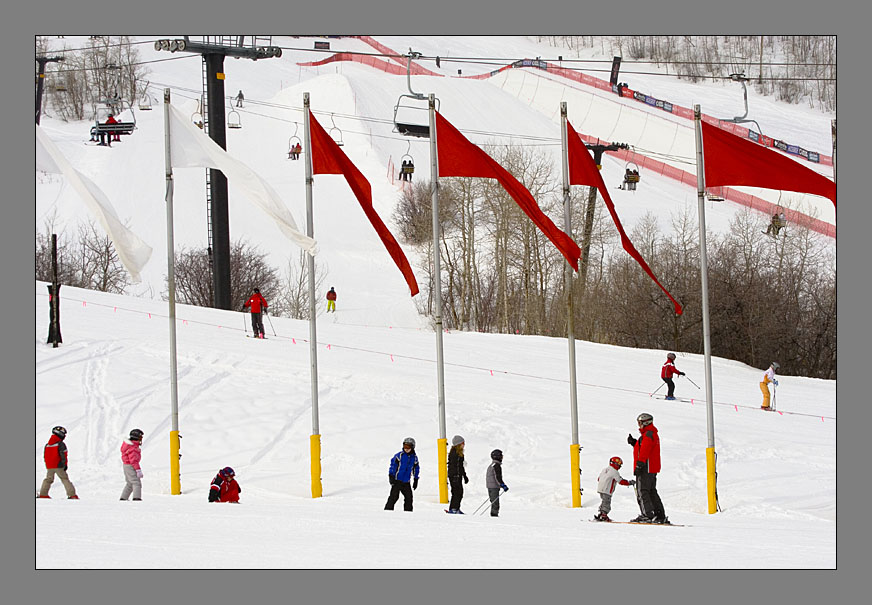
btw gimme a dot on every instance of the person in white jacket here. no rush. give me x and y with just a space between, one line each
768 376
607 481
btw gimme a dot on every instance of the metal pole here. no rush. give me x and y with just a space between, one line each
175 474
315 439
570 320
442 442
703 263
218 183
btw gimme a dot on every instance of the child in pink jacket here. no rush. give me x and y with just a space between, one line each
130 457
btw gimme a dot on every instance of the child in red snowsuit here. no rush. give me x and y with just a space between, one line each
224 487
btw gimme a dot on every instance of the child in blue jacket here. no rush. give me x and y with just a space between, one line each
404 465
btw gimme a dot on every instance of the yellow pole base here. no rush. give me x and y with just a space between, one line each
315 453
442 456
175 473
711 485
576 477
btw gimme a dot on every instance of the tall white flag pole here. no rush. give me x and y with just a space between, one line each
442 442
175 474
570 321
315 439
710 456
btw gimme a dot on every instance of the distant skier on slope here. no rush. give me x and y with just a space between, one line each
224 487
667 372
609 478
768 376
130 457
258 306
331 300
646 465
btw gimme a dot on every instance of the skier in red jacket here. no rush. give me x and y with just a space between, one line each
224 487
55 454
667 372
257 305
646 465
331 300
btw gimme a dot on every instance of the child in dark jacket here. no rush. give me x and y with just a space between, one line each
224 487
494 481
403 466
607 481
456 474
55 454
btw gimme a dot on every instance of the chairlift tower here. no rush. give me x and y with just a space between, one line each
213 50
40 79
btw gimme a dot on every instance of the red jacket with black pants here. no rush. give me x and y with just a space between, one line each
646 465
223 490
666 373
257 303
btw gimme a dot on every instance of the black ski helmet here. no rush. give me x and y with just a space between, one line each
410 441
644 419
497 455
59 431
136 434
257 290
670 356
226 472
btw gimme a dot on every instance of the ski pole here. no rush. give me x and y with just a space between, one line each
480 505
492 501
244 324
692 382
270 322
658 388
774 393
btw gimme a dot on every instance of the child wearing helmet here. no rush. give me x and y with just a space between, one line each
646 465
55 455
130 457
456 474
404 466
608 479
494 481
224 487
667 372
768 376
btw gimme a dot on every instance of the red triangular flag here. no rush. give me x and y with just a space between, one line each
459 157
583 171
328 158
732 160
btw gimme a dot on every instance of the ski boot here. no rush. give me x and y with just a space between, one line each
602 517
641 519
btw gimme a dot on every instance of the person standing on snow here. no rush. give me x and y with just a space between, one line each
607 481
224 487
239 99
456 474
55 455
404 465
331 300
494 481
130 457
768 376
667 372
646 465
258 306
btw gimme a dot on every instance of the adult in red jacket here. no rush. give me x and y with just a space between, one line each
224 487
331 300
257 305
55 455
646 465
667 372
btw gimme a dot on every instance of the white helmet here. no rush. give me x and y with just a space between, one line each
410 441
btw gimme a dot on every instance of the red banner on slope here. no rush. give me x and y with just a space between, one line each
732 160
459 157
328 158
583 171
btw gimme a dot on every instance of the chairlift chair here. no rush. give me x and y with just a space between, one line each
292 143
336 133
631 176
406 127
145 103
715 194
233 120
407 163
